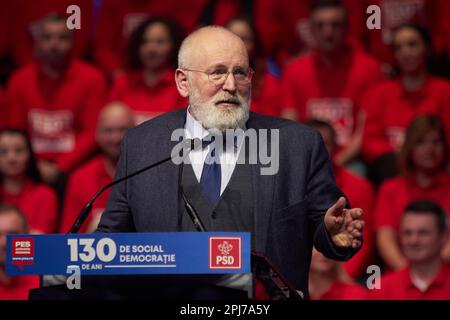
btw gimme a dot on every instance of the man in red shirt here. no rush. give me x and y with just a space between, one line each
284 26
12 221
114 120
360 193
26 16
56 100
422 236
328 83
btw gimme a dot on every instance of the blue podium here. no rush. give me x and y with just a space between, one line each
178 265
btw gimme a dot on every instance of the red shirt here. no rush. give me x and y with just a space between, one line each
390 109
18 288
60 115
266 96
330 93
39 204
2 109
345 291
398 286
92 176
32 11
147 102
360 193
442 38
225 10
5 27
284 28
393 14
395 194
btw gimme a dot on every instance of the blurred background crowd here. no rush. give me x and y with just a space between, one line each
380 99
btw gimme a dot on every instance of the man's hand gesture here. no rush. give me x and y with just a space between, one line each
344 225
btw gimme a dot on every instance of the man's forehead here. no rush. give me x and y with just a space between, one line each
55 26
421 221
211 49
215 57
328 13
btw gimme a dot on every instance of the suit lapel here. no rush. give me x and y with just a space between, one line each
263 190
170 175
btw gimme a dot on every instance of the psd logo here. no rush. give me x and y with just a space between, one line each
22 252
225 252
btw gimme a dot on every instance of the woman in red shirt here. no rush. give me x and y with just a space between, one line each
147 86
423 162
391 105
20 182
265 85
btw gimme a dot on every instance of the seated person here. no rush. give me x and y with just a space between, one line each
21 184
114 120
423 235
147 85
56 100
329 82
390 106
266 87
12 221
423 162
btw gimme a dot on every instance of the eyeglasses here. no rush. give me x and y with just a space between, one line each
219 76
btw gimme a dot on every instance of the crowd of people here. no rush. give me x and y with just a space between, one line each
379 98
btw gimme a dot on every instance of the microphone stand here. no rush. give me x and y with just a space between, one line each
273 281
88 207
84 213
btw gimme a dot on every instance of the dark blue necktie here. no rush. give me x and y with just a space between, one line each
211 175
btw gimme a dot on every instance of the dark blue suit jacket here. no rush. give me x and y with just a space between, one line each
289 206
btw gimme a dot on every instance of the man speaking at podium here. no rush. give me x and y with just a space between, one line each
286 211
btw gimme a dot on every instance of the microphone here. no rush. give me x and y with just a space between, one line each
190 144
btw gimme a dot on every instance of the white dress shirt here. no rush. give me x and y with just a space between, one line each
228 160
197 157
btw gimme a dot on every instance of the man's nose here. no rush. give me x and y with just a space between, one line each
413 239
230 83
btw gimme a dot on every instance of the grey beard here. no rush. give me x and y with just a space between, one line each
212 117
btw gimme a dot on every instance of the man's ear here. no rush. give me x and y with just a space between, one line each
182 83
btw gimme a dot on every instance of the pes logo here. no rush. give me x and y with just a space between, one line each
22 252
225 252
